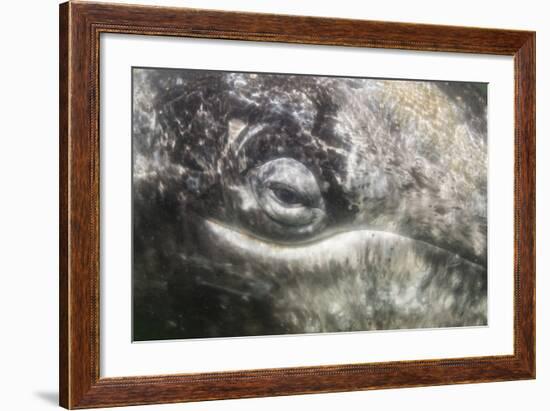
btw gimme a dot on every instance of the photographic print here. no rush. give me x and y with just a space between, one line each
273 204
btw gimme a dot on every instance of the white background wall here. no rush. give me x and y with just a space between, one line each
28 205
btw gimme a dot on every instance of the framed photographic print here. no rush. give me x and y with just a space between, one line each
256 205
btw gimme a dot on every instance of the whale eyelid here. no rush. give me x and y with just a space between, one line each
293 174
289 196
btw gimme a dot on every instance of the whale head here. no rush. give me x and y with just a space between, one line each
276 204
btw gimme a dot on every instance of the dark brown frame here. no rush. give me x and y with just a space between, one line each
80 27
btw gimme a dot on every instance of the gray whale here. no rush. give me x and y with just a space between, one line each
283 204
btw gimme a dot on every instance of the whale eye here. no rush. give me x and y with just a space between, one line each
288 193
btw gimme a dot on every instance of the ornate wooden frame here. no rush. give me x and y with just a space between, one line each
80 27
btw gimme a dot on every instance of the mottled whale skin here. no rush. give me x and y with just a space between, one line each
277 204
